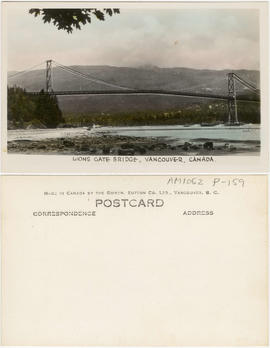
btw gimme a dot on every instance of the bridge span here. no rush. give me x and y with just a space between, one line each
230 98
148 92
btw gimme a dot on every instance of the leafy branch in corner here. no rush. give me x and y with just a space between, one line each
69 19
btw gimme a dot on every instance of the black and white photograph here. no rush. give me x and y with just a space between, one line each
138 81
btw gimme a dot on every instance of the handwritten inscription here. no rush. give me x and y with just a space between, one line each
200 181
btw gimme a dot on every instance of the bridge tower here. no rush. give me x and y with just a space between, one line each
232 105
49 76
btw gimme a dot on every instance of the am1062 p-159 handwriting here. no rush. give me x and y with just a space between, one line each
212 181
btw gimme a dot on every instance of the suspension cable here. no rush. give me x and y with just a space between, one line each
247 84
78 75
84 77
92 79
88 77
25 71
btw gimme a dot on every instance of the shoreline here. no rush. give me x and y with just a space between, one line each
131 146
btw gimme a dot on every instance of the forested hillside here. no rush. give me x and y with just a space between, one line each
41 111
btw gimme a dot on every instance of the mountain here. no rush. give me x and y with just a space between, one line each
144 77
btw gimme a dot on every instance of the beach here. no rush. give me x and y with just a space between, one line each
84 142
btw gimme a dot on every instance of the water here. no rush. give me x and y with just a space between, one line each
247 132
243 133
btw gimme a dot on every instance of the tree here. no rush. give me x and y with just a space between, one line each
68 19
20 107
47 110
42 109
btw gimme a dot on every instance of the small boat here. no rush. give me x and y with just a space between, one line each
209 124
93 127
234 124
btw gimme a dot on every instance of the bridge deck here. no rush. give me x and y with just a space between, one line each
149 92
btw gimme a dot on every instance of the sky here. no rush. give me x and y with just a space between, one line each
200 39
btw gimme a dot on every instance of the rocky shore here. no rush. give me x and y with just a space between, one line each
130 146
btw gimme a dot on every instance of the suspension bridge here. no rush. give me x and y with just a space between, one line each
231 96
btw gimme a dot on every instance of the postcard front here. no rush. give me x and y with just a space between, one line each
135 87
134 261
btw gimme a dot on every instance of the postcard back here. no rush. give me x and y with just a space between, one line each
132 261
